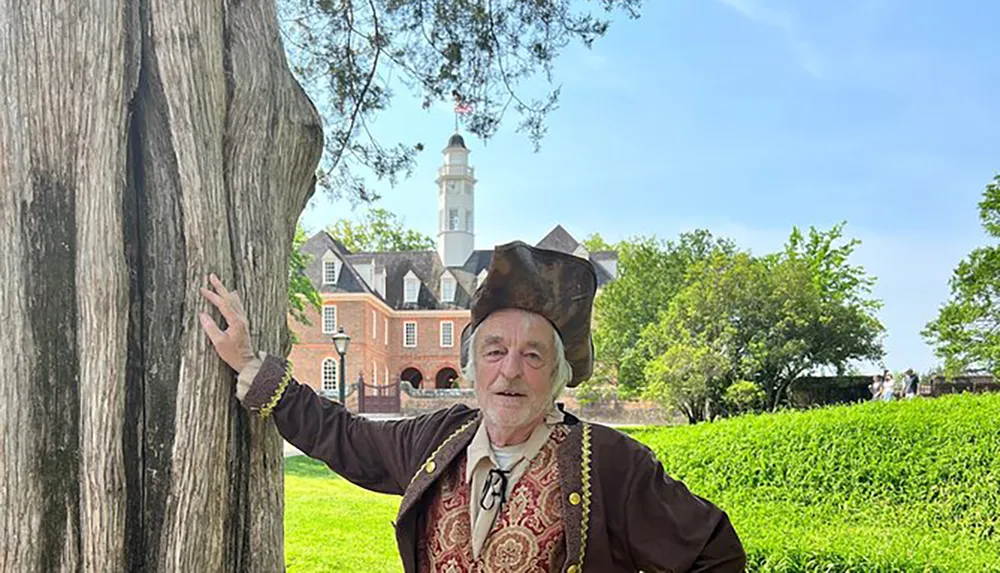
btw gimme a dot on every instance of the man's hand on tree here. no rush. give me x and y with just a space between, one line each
233 343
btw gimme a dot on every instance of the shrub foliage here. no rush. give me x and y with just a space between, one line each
905 486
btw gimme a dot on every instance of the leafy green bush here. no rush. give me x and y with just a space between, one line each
744 396
880 487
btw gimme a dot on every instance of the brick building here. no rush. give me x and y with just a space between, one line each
405 311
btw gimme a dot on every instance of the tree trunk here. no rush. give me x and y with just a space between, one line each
143 145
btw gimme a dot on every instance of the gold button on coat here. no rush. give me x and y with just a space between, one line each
429 466
573 569
574 498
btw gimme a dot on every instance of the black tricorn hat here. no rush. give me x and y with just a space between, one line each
559 286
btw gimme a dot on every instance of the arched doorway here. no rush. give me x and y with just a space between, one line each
413 376
446 378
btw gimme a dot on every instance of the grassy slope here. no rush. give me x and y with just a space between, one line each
879 487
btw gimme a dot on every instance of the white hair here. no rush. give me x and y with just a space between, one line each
561 374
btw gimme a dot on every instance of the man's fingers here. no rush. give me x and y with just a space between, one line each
220 303
224 305
212 298
212 329
219 287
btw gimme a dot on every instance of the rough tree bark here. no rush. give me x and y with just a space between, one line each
143 144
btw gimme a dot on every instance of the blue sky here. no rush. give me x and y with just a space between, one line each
747 117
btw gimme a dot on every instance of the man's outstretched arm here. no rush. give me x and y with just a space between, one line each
381 456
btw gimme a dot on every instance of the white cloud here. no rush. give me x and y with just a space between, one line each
802 50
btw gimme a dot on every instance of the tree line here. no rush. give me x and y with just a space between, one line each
707 328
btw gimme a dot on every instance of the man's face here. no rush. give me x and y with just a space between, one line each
515 363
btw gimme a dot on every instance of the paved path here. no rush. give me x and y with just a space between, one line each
291 450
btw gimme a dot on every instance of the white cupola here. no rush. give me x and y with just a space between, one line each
456 183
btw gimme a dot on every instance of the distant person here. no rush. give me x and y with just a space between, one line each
876 387
912 384
888 387
517 484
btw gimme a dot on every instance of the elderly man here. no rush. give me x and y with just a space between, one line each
517 484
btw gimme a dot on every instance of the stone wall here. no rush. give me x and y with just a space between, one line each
414 402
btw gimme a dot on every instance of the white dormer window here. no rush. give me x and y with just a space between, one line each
331 268
447 288
411 287
329 272
452 219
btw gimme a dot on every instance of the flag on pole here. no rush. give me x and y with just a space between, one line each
460 105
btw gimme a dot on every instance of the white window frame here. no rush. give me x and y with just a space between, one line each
451 333
449 281
333 269
411 284
385 330
406 342
374 373
386 372
334 367
453 220
374 325
333 329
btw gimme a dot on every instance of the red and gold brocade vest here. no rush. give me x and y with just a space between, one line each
527 535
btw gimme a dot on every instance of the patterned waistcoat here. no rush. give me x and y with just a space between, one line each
526 536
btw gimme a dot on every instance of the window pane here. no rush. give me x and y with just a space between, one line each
412 287
329 319
329 272
330 375
448 289
447 334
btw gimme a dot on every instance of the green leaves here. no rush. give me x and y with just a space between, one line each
966 332
352 58
300 289
770 319
379 231
595 242
904 486
650 273
686 377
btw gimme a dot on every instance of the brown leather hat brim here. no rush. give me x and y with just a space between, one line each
559 286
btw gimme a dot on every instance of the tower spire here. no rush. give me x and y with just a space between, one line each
456 202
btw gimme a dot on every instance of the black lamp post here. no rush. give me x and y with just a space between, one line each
341 341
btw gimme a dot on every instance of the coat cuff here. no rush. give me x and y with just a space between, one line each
262 383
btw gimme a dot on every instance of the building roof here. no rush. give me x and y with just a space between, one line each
428 268
560 240
456 141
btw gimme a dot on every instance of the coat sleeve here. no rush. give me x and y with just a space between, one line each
671 529
380 456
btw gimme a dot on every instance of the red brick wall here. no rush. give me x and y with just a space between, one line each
429 357
365 321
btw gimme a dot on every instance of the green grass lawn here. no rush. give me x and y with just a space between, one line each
877 487
333 525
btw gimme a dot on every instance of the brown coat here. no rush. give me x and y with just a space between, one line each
621 512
